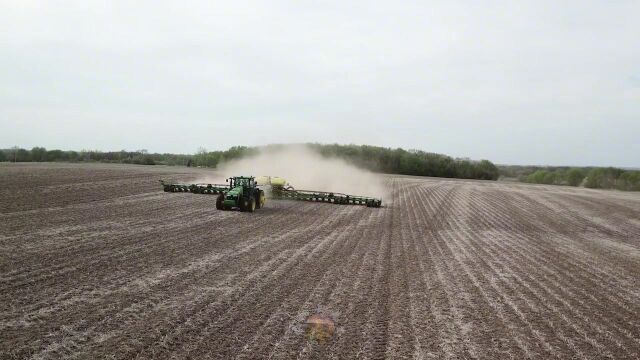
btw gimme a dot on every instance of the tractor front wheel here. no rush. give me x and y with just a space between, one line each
243 204
219 202
252 205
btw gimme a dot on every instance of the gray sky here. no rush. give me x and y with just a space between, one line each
521 82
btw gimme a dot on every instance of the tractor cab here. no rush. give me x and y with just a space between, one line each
244 181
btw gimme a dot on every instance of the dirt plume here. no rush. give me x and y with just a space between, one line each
306 169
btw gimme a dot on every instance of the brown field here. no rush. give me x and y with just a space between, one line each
96 261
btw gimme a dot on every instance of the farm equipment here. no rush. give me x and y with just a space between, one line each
248 193
241 193
280 189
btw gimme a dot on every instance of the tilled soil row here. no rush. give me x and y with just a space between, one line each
96 261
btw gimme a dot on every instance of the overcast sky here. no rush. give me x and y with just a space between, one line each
520 82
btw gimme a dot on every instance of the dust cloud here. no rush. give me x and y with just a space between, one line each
306 169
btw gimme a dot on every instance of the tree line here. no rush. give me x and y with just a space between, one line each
410 162
140 157
374 158
589 177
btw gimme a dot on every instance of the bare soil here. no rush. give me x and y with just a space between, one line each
96 261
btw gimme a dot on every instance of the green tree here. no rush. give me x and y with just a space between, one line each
629 181
549 178
537 177
575 177
39 154
200 158
74 156
22 155
488 171
602 178
56 155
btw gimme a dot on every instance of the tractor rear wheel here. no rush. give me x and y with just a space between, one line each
252 205
219 202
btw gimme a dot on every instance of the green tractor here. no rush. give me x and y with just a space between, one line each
243 194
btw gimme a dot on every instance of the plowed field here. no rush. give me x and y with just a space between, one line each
96 261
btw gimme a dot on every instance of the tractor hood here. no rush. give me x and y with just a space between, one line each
234 193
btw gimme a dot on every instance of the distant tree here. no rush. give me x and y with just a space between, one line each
593 179
3 156
39 154
575 177
22 155
488 171
122 155
148 160
200 158
84 155
602 178
74 156
629 181
549 178
96 155
211 159
537 177
56 155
